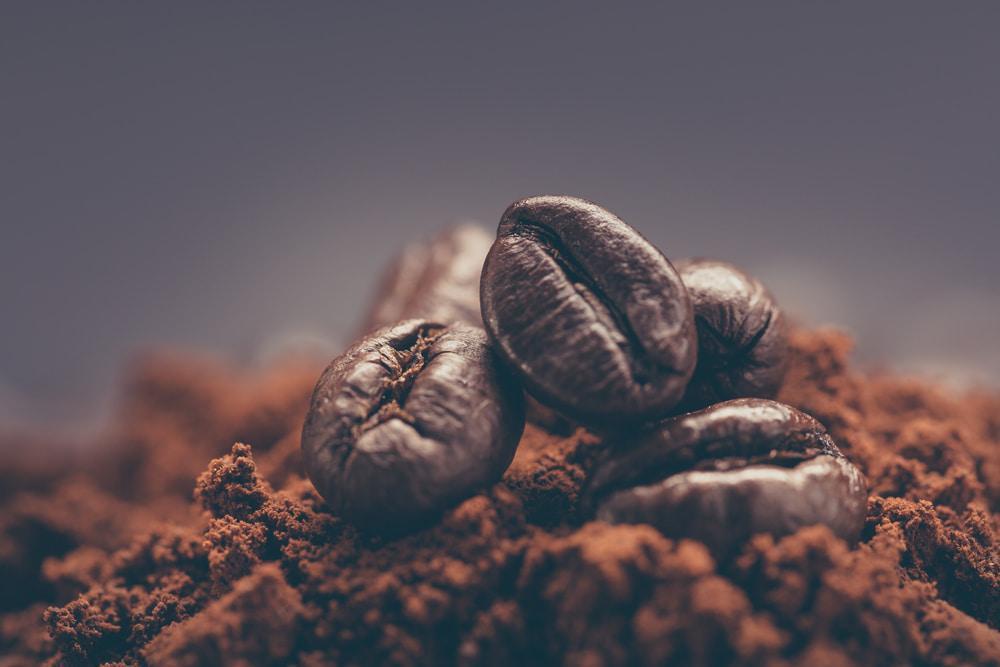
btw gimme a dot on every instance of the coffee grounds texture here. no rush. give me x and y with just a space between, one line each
105 559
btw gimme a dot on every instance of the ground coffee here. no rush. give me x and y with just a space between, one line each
257 570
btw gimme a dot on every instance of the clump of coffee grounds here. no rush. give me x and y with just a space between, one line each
120 569
64 510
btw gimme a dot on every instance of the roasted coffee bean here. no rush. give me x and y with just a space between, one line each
435 280
742 336
728 472
593 318
409 421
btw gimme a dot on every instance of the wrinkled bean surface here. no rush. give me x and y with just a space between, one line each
730 471
742 336
593 318
409 421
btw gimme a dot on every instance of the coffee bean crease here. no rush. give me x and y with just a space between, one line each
721 474
591 315
411 419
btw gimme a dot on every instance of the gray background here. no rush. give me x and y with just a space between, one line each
232 177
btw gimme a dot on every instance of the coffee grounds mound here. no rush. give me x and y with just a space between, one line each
108 561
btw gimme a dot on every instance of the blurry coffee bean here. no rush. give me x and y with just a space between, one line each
728 472
742 336
594 318
436 280
408 422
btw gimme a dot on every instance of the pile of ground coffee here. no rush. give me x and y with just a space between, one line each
105 559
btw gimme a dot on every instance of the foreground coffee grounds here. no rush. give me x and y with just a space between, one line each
257 569
108 549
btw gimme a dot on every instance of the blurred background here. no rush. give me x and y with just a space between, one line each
233 178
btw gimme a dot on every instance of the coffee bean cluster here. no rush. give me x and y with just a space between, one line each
674 364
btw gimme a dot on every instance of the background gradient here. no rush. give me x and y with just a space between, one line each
233 177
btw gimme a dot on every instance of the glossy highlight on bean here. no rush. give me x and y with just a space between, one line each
725 473
409 421
591 316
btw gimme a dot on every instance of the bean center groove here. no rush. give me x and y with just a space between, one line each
615 322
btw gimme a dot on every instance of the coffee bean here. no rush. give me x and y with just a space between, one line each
592 317
742 336
728 472
436 280
409 421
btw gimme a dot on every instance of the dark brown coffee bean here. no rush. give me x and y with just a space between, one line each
593 318
728 472
409 421
742 336
436 280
